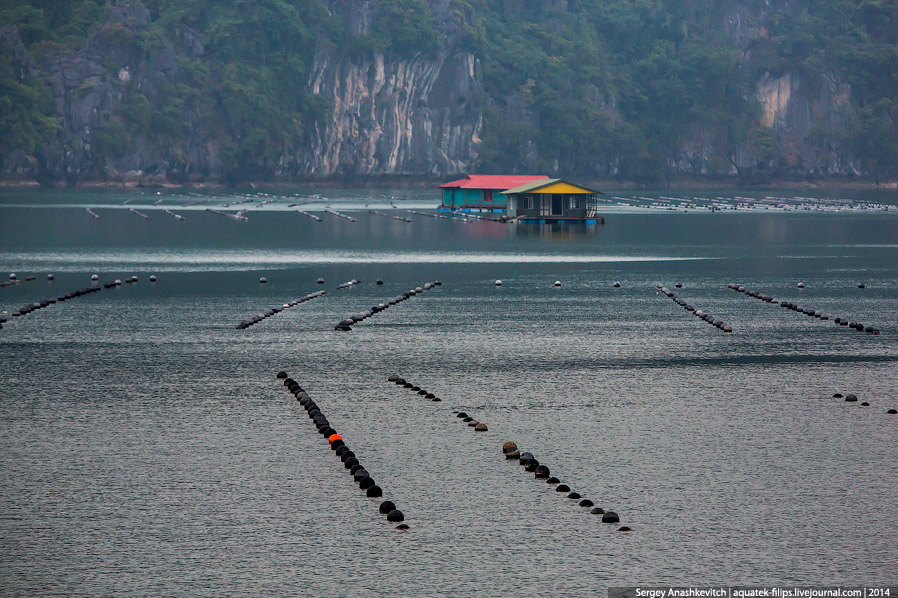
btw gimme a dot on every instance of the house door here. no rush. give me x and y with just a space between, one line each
556 205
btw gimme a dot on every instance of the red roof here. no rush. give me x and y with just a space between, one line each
494 181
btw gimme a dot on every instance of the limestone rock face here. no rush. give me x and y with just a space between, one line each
416 116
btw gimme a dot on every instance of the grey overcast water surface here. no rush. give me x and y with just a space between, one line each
146 448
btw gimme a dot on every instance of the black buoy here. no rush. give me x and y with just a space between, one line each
461 415
513 455
562 488
610 517
360 474
851 398
838 395
891 412
598 511
395 516
865 404
574 495
341 449
281 375
541 472
355 468
387 506
374 492
366 483
531 465
553 480
320 281
586 503
379 282
348 463
624 528
402 527
346 456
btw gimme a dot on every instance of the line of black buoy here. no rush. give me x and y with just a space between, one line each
813 313
345 325
339 215
399 218
428 215
852 398
358 472
349 283
472 423
510 450
542 472
244 324
716 322
36 305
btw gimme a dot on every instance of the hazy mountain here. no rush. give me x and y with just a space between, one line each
644 90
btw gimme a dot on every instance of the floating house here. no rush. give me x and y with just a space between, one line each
483 192
552 200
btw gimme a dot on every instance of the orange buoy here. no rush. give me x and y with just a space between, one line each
333 437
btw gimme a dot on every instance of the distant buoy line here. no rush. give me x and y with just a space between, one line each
339 215
852 398
239 216
814 313
444 217
14 280
511 452
93 214
255 319
175 216
716 322
349 283
138 214
338 445
346 324
312 216
36 305
399 218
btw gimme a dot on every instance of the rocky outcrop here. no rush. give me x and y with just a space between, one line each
411 116
407 114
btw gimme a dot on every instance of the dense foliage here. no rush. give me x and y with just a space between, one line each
582 86
662 71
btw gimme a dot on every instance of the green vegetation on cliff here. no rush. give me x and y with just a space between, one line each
639 88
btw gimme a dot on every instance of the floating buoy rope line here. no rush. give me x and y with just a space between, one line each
511 452
814 313
399 218
41 304
338 445
852 398
255 319
716 322
349 283
346 324
339 215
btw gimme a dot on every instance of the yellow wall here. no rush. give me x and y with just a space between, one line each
562 187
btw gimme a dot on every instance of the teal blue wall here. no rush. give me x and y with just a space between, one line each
472 197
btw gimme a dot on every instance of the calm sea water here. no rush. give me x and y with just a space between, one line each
147 449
